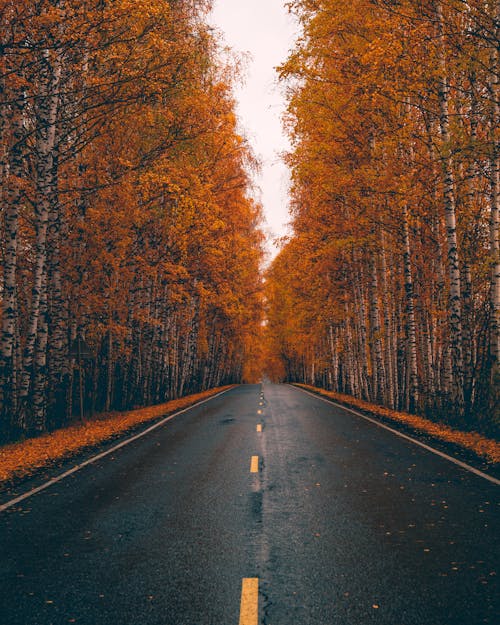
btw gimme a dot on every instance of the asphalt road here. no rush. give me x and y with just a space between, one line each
343 523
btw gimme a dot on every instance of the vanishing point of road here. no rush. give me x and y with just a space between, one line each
263 505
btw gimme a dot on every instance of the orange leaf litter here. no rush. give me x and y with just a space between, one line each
23 458
480 445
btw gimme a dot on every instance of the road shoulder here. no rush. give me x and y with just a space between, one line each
35 457
470 447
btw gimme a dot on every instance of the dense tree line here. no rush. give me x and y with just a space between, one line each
389 288
130 245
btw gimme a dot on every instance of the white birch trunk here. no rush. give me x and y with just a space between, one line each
411 328
40 362
109 366
494 202
361 322
389 338
379 377
46 122
455 296
12 171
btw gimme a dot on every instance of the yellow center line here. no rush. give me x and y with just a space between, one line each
254 464
249 607
259 427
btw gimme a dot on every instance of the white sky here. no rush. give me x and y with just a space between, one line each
264 31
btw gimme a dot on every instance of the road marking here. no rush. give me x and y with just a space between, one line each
259 427
459 463
77 467
254 464
249 607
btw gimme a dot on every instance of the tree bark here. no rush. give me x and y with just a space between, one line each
46 122
411 331
494 175
13 173
379 376
455 295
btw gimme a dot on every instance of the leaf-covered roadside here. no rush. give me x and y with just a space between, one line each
22 459
483 447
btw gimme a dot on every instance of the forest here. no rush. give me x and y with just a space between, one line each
130 239
132 247
388 289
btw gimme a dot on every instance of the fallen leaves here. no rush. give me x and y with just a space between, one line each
23 458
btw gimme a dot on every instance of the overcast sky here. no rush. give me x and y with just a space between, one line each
263 30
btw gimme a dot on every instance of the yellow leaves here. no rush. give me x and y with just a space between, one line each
150 190
145 8
140 14
125 162
51 17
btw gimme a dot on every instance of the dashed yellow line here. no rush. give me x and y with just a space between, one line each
249 607
259 427
254 464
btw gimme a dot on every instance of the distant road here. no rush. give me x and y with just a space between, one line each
319 518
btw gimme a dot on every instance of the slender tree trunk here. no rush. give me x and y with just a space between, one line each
353 368
57 348
46 120
334 357
12 170
388 331
413 389
494 175
109 366
376 338
467 350
455 308
361 327
429 355
40 362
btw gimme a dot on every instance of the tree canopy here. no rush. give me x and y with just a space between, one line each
389 288
131 246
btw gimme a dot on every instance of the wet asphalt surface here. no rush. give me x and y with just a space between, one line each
345 523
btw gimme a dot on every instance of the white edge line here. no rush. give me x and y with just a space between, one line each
464 465
77 467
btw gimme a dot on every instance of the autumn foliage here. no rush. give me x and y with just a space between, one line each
130 243
389 288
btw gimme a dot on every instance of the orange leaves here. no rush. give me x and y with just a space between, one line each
392 206
153 246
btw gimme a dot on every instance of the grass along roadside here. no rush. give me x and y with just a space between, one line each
22 459
486 448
